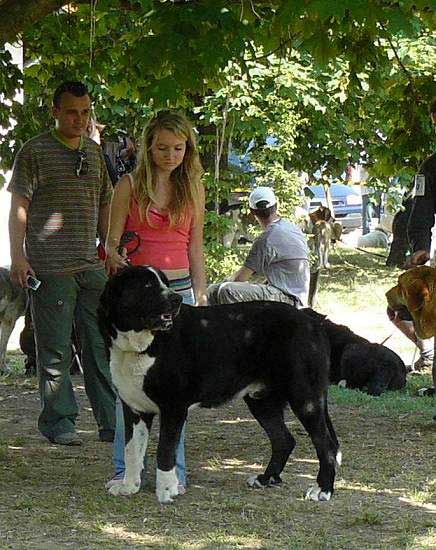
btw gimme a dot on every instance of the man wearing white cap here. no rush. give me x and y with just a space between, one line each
279 254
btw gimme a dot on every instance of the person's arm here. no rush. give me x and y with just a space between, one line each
196 254
20 267
242 275
421 218
119 210
103 222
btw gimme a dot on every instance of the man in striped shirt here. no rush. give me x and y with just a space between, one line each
60 202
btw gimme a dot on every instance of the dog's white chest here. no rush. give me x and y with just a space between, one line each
128 370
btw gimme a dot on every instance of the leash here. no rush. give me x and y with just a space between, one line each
127 237
371 253
387 338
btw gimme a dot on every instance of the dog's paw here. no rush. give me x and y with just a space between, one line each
425 392
5 370
315 493
123 489
167 486
342 383
254 483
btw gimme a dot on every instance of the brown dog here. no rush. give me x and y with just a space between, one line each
324 230
415 291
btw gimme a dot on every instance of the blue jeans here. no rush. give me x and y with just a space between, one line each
366 214
119 440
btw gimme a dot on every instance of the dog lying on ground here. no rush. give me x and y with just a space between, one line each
166 357
375 239
13 301
379 238
357 363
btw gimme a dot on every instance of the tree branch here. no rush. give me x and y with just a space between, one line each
16 17
400 63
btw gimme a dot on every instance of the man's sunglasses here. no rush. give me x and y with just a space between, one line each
82 163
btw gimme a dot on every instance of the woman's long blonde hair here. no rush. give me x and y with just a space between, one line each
185 178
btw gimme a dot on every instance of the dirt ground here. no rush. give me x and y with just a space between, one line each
54 497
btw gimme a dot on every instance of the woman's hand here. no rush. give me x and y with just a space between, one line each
201 300
116 258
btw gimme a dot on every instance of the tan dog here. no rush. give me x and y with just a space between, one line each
415 291
324 230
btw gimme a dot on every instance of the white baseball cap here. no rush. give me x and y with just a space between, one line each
262 194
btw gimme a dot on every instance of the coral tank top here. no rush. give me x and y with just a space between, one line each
159 246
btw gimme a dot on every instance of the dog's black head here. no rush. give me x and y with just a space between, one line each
136 299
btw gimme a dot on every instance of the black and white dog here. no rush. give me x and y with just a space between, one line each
166 357
357 363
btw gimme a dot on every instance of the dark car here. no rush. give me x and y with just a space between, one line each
347 203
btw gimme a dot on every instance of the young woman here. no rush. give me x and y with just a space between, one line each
160 206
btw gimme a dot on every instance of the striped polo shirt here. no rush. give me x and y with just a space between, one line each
64 208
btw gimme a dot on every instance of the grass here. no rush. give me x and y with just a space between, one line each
385 495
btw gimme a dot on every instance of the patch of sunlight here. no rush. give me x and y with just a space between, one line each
425 495
342 484
237 421
217 463
240 542
425 505
124 534
425 541
15 448
307 476
306 460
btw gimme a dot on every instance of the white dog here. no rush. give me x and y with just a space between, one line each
380 236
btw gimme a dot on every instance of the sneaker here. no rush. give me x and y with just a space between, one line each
106 436
422 364
181 489
67 438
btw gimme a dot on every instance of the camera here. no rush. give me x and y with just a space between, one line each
33 282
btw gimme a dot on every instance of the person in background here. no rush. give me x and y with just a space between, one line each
366 209
93 131
161 206
422 215
279 254
60 201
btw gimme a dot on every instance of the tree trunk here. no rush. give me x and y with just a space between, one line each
400 243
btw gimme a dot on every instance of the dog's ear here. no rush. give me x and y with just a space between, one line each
163 277
313 217
416 294
327 214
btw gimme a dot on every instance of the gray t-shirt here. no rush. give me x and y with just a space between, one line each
280 254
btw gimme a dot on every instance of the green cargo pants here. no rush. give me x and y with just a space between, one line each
59 301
